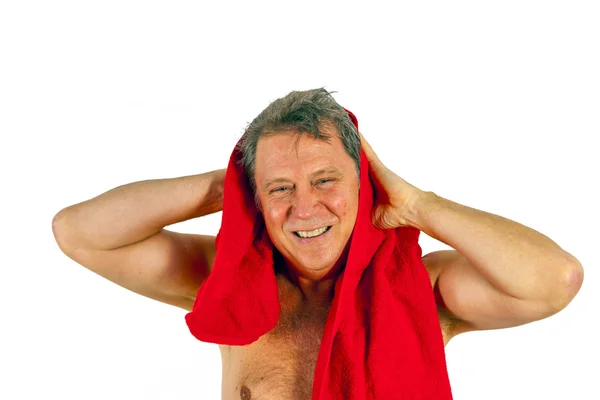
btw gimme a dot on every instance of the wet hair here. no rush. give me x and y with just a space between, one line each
302 112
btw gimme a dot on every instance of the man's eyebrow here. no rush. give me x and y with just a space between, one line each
274 180
327 170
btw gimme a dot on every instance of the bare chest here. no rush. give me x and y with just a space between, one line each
281 364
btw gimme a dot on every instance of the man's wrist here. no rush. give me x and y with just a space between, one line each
209 192
415 214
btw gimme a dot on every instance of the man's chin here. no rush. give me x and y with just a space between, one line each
317 267
308 264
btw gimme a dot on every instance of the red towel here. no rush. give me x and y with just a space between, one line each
382 338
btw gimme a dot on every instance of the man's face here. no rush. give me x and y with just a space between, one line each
303 191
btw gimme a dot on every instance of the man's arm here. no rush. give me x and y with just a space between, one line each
119 235
501 274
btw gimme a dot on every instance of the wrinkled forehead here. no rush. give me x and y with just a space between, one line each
290 148
282 152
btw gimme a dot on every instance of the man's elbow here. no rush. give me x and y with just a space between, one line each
58 229
572 284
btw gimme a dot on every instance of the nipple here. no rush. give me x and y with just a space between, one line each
245 393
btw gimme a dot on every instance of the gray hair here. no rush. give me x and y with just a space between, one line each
301 112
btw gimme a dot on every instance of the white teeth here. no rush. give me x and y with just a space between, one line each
309 234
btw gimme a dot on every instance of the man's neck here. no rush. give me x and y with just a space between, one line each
315 286
315 289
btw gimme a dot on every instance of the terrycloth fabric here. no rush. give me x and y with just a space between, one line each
382 338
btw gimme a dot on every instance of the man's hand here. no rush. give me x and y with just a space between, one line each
394 197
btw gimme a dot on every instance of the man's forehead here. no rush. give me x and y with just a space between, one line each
274 150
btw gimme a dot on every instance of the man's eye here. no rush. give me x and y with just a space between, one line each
279 189
324 180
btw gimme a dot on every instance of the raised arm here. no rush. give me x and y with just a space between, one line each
120 235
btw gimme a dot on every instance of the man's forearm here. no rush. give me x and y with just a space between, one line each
514 258
133 212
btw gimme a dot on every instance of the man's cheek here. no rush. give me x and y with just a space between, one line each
340 205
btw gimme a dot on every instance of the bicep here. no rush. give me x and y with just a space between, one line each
473 302
168 267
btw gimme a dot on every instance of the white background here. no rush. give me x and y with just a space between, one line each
494 105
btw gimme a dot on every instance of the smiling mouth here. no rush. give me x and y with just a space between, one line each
312 234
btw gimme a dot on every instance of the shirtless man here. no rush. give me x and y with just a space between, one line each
501 274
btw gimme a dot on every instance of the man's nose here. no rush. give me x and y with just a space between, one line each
305 203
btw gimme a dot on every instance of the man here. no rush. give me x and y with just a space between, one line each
301 155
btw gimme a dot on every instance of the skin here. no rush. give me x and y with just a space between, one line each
487 282
501 273
301 188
